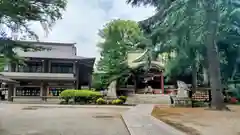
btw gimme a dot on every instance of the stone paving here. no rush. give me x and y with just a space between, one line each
20 119
140 122
148 99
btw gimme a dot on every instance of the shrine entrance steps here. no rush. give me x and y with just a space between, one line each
148 99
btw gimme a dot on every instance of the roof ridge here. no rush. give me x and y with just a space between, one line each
47 43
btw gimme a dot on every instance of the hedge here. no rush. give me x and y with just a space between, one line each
85 96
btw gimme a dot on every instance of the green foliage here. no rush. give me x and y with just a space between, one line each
192 29
179 26
120 37
10 56
67 95
234 91
123 98
199 104
100 81
85 96
117 102
16 16
101 101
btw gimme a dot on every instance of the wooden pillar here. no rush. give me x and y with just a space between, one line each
10 92
76 75
162 82
44 91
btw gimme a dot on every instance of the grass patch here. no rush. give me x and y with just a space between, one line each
181 127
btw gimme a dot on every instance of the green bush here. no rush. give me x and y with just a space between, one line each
101 101
66 95
234 91
123 98
81 96
117 102
198 104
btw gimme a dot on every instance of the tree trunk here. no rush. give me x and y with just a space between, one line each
194 77
205 77
212 18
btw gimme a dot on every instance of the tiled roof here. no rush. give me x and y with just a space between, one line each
44 54
57 51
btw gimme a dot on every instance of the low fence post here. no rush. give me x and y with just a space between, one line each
190 96
210 97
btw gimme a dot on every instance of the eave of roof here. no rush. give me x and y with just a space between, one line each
62 58
46 43
6 79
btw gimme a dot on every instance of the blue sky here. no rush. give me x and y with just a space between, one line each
83 18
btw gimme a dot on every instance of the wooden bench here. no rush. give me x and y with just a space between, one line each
181 101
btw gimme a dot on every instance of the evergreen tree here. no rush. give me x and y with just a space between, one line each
119 37
194 27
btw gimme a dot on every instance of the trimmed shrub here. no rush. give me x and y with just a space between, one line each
123 98
80 96
199 104
66 95
86 96
101 101
117 102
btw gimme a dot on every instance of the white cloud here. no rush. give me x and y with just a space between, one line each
83 18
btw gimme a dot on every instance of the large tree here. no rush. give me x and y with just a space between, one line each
16 16
195 23
119 37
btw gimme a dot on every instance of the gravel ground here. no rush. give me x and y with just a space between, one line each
200 121
25 120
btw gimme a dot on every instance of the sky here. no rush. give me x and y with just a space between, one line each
83 18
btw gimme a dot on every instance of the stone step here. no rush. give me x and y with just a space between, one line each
148 99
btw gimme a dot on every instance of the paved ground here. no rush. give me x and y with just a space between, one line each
144 124
14 120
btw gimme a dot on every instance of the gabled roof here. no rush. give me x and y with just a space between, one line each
136 60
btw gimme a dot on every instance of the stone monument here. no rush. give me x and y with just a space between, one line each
182 89
181 99
111 92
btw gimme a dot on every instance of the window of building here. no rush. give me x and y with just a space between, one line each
55 91
35 67
28 91
62 67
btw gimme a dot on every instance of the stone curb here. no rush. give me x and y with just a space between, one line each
81 106
73 106
166 126
154 127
